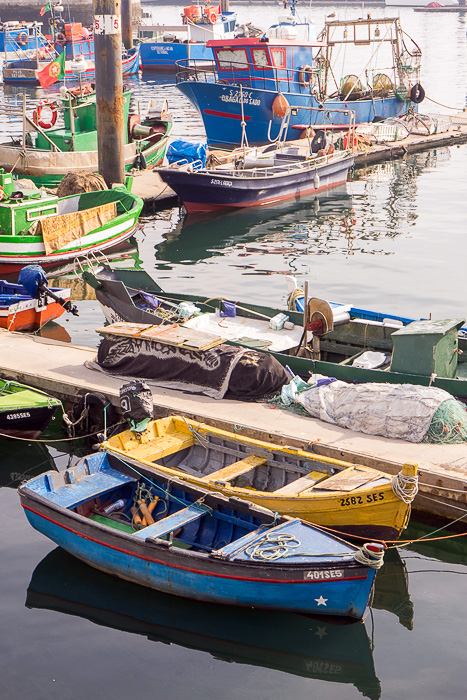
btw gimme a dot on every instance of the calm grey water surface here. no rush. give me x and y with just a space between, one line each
392 239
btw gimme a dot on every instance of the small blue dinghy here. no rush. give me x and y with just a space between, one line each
163 533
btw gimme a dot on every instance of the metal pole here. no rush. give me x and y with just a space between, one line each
224 5
109 90
127 24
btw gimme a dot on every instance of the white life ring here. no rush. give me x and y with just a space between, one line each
46 122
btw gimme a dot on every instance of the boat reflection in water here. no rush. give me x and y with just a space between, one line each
20 463
379 205
391 590
202 236
303 645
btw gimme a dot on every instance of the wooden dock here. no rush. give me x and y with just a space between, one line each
58 368
155 193
456 134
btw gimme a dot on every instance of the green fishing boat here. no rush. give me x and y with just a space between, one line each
37 227
63 138
329 341
24 412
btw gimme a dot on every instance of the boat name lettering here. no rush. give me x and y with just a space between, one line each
238 97
323 667
225 183
359 500
12 416
325 574
162 49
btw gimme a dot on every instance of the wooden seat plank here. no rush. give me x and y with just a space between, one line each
235 469
301 484
172 522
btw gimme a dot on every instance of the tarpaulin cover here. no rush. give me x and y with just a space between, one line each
222 371
181 150
58 231
402 411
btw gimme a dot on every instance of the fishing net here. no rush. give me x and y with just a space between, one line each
77 183
449 424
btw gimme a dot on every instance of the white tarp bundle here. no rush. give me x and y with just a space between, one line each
401 411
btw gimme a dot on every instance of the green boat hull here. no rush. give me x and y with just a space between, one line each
343 342
24 412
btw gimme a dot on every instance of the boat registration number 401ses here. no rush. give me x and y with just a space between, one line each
325 574
360 500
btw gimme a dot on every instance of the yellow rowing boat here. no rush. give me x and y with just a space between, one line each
349 498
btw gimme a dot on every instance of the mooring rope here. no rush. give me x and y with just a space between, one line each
405 487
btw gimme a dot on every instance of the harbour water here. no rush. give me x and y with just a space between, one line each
392 239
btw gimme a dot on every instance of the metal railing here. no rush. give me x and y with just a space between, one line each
235 74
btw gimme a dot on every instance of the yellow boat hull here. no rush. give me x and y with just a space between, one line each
343 497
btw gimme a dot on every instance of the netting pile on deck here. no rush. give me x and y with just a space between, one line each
404 411
449 423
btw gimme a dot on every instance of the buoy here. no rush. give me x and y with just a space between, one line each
136 518
153 504
280 106
145 511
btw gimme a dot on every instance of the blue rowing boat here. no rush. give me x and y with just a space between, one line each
165 534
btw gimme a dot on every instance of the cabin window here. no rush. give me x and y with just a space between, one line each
229 59
278 57
48 210
261 58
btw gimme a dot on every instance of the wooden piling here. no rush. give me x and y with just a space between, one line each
109 90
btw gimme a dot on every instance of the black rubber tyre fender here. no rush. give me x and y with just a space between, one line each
99 414
417 94
319 141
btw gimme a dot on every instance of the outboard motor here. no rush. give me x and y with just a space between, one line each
137 404
34 280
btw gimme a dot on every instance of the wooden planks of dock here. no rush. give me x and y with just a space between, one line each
59 369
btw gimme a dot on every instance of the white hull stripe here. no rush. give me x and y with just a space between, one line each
77 244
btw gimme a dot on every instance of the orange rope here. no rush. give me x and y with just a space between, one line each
396 543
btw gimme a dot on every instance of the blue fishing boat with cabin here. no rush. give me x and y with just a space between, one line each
161 46
279 82
143 526
70 38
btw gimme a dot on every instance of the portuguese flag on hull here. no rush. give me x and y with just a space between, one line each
53 71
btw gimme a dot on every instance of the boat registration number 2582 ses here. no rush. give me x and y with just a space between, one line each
12 416
360 500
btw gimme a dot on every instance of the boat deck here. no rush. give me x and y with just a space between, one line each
59 369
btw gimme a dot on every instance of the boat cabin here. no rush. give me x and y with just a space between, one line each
75 40
16 38
20 210
265 63
81 135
